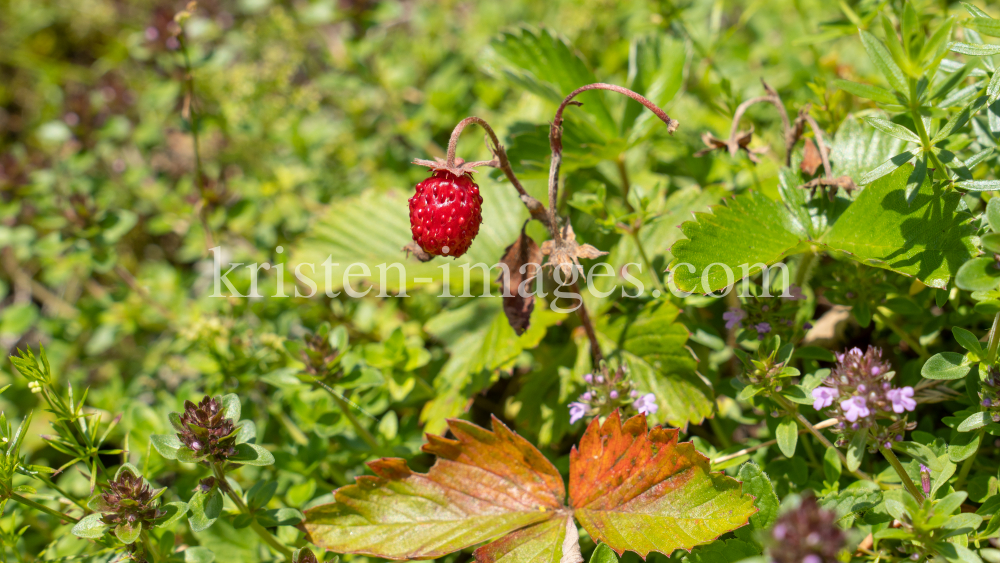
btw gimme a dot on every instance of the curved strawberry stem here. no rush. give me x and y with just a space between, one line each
534 206
555 132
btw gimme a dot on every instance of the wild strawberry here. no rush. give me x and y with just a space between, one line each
445 213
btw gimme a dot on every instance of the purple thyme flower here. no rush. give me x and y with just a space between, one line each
734 317
762 329
646 404
586 397
902 399
589 378
795 293
855 408
823 397
613 394
576 412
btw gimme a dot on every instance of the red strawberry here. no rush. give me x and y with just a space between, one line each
445 213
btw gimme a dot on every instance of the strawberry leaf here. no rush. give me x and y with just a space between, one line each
552 541
484 485
639 490
631 488
655 347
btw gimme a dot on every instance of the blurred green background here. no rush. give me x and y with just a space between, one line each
308 115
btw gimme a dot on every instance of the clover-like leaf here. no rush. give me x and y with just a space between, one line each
494 484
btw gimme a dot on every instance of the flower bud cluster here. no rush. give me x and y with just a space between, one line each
858 391
609 391
767 315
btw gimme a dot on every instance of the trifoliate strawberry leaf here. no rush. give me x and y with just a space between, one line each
655 348
928 237
639 490
633 488
483 486
751 229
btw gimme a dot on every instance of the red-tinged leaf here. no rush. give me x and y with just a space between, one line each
639 490
484 485
552 541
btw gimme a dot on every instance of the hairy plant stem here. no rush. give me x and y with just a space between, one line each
261 531
41 507
588 327
963 472
805 265
555 133
907 482
903 335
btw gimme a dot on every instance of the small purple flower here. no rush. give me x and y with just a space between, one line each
733 317
855 408
762 329
795 293
925 479
902 399
589 378
586 397
807 326
987 403
633 393
613 394
576 412
823 397
646 404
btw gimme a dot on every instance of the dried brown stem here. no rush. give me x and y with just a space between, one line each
588 327
555 133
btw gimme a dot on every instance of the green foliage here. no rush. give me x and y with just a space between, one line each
139 146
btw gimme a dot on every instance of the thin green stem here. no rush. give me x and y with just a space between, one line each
261 531
363 432
963 472
994 341
817 434
42 508
148 546
907 482
903 335
48 482
720 433
193 117
805 264
925 140
648 263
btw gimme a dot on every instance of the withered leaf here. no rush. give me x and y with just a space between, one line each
523 260
564 253
811 159
632 488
